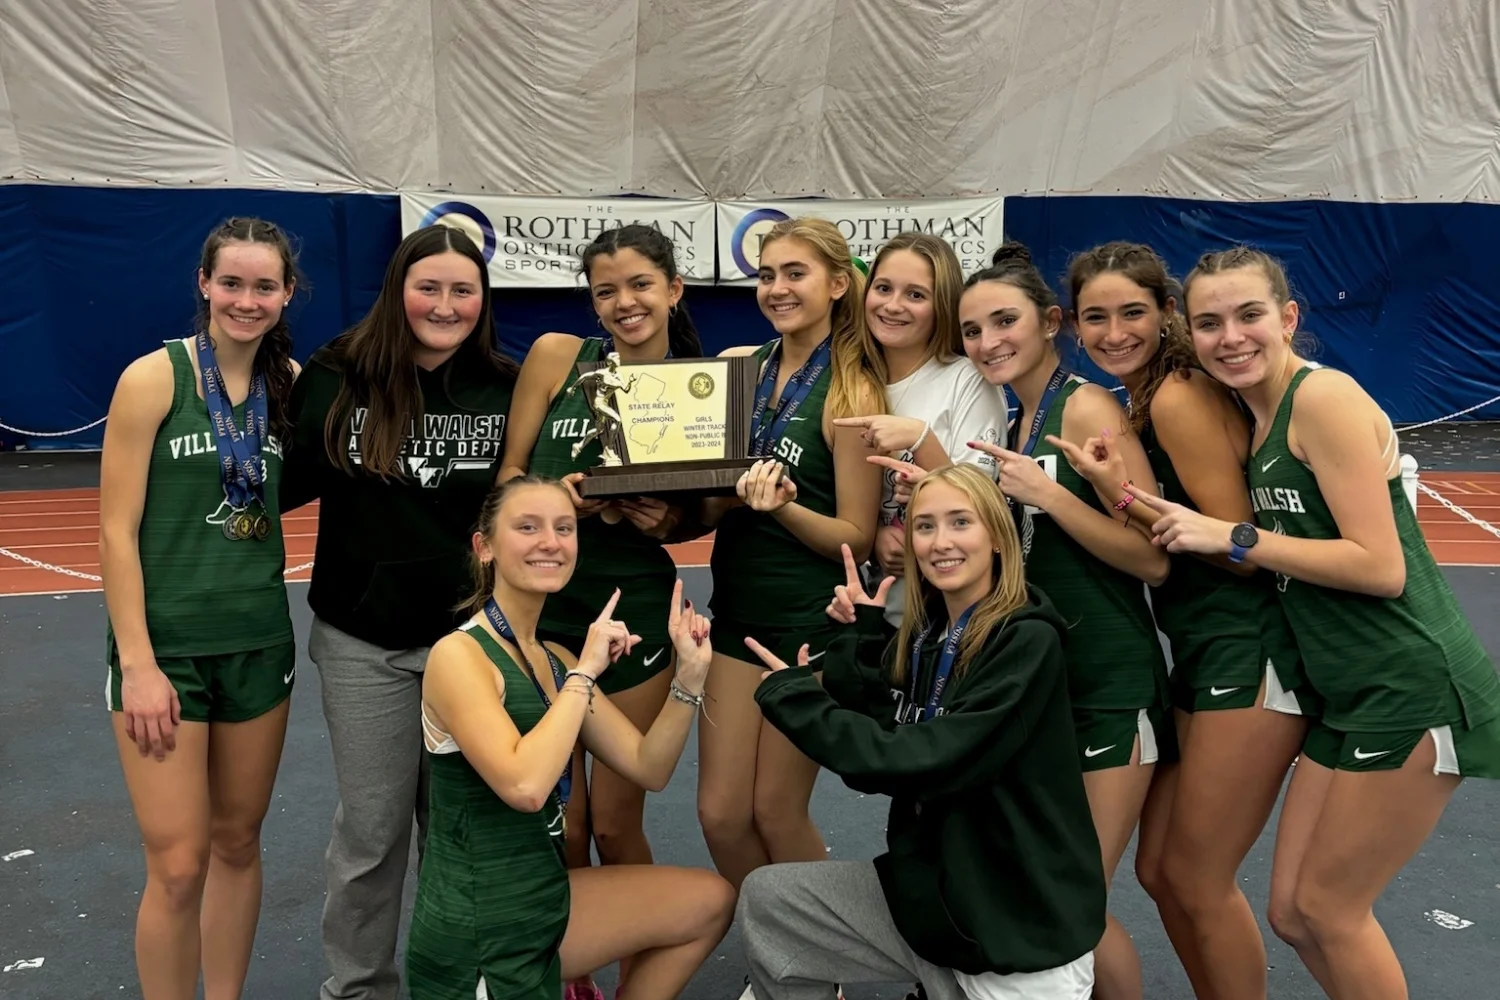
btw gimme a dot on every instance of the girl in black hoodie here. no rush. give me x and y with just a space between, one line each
992 886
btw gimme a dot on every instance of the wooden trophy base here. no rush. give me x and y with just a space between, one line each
716 477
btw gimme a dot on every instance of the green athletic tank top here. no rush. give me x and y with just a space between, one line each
493 894
1201 607
609 555
205 595
1382 664
1114 657
763 575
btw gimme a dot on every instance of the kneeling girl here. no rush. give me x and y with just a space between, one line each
498 912
993 884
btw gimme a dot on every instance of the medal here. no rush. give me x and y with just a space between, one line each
262 527
240 463
565 783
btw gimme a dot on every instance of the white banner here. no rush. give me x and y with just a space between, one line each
972 226
536 242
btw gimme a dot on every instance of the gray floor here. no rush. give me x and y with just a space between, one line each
72 901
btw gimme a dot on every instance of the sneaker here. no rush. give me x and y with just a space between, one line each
585 989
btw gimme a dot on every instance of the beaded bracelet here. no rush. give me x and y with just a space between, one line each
684 696
589 684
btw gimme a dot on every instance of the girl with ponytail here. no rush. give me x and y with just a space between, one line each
636 292
199 637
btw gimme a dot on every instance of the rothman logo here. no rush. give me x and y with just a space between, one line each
744 243
465 217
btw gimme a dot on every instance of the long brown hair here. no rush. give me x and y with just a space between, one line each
858 377
1143 266
1008 574
376 357
273 359
483 573
946 342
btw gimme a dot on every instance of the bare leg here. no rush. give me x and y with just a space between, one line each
1294 834
784 780
1234 763
1116 797
242 761
669 940
1151 851
619 804
170 799
1370 826
728 742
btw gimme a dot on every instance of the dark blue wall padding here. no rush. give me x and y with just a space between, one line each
91 278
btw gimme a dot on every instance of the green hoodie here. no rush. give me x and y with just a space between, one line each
992 863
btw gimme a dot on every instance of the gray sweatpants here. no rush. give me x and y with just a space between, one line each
372 701
808 925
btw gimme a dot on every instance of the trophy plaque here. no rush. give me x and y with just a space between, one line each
680 425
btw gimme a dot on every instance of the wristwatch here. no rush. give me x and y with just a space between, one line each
1241 539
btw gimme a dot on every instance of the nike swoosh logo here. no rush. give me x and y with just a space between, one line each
814 656
1091 752
1218 692
1361 755
653 657
1267 466
793 420
288 678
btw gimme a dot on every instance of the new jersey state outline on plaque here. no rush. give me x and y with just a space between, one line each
667 417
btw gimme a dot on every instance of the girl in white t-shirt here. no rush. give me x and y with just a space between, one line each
938 401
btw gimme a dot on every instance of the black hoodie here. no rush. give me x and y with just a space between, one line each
992 863
392 556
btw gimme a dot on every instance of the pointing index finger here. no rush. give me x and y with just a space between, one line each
1164 506
609 606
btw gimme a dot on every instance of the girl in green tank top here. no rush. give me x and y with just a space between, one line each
1086 555
199 630
777 554
1407 688
501 714
1234 656
637 297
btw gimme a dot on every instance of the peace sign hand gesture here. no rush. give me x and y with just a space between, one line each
1180 529
688 631
852 592
606 642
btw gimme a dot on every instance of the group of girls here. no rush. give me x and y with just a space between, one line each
937 603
